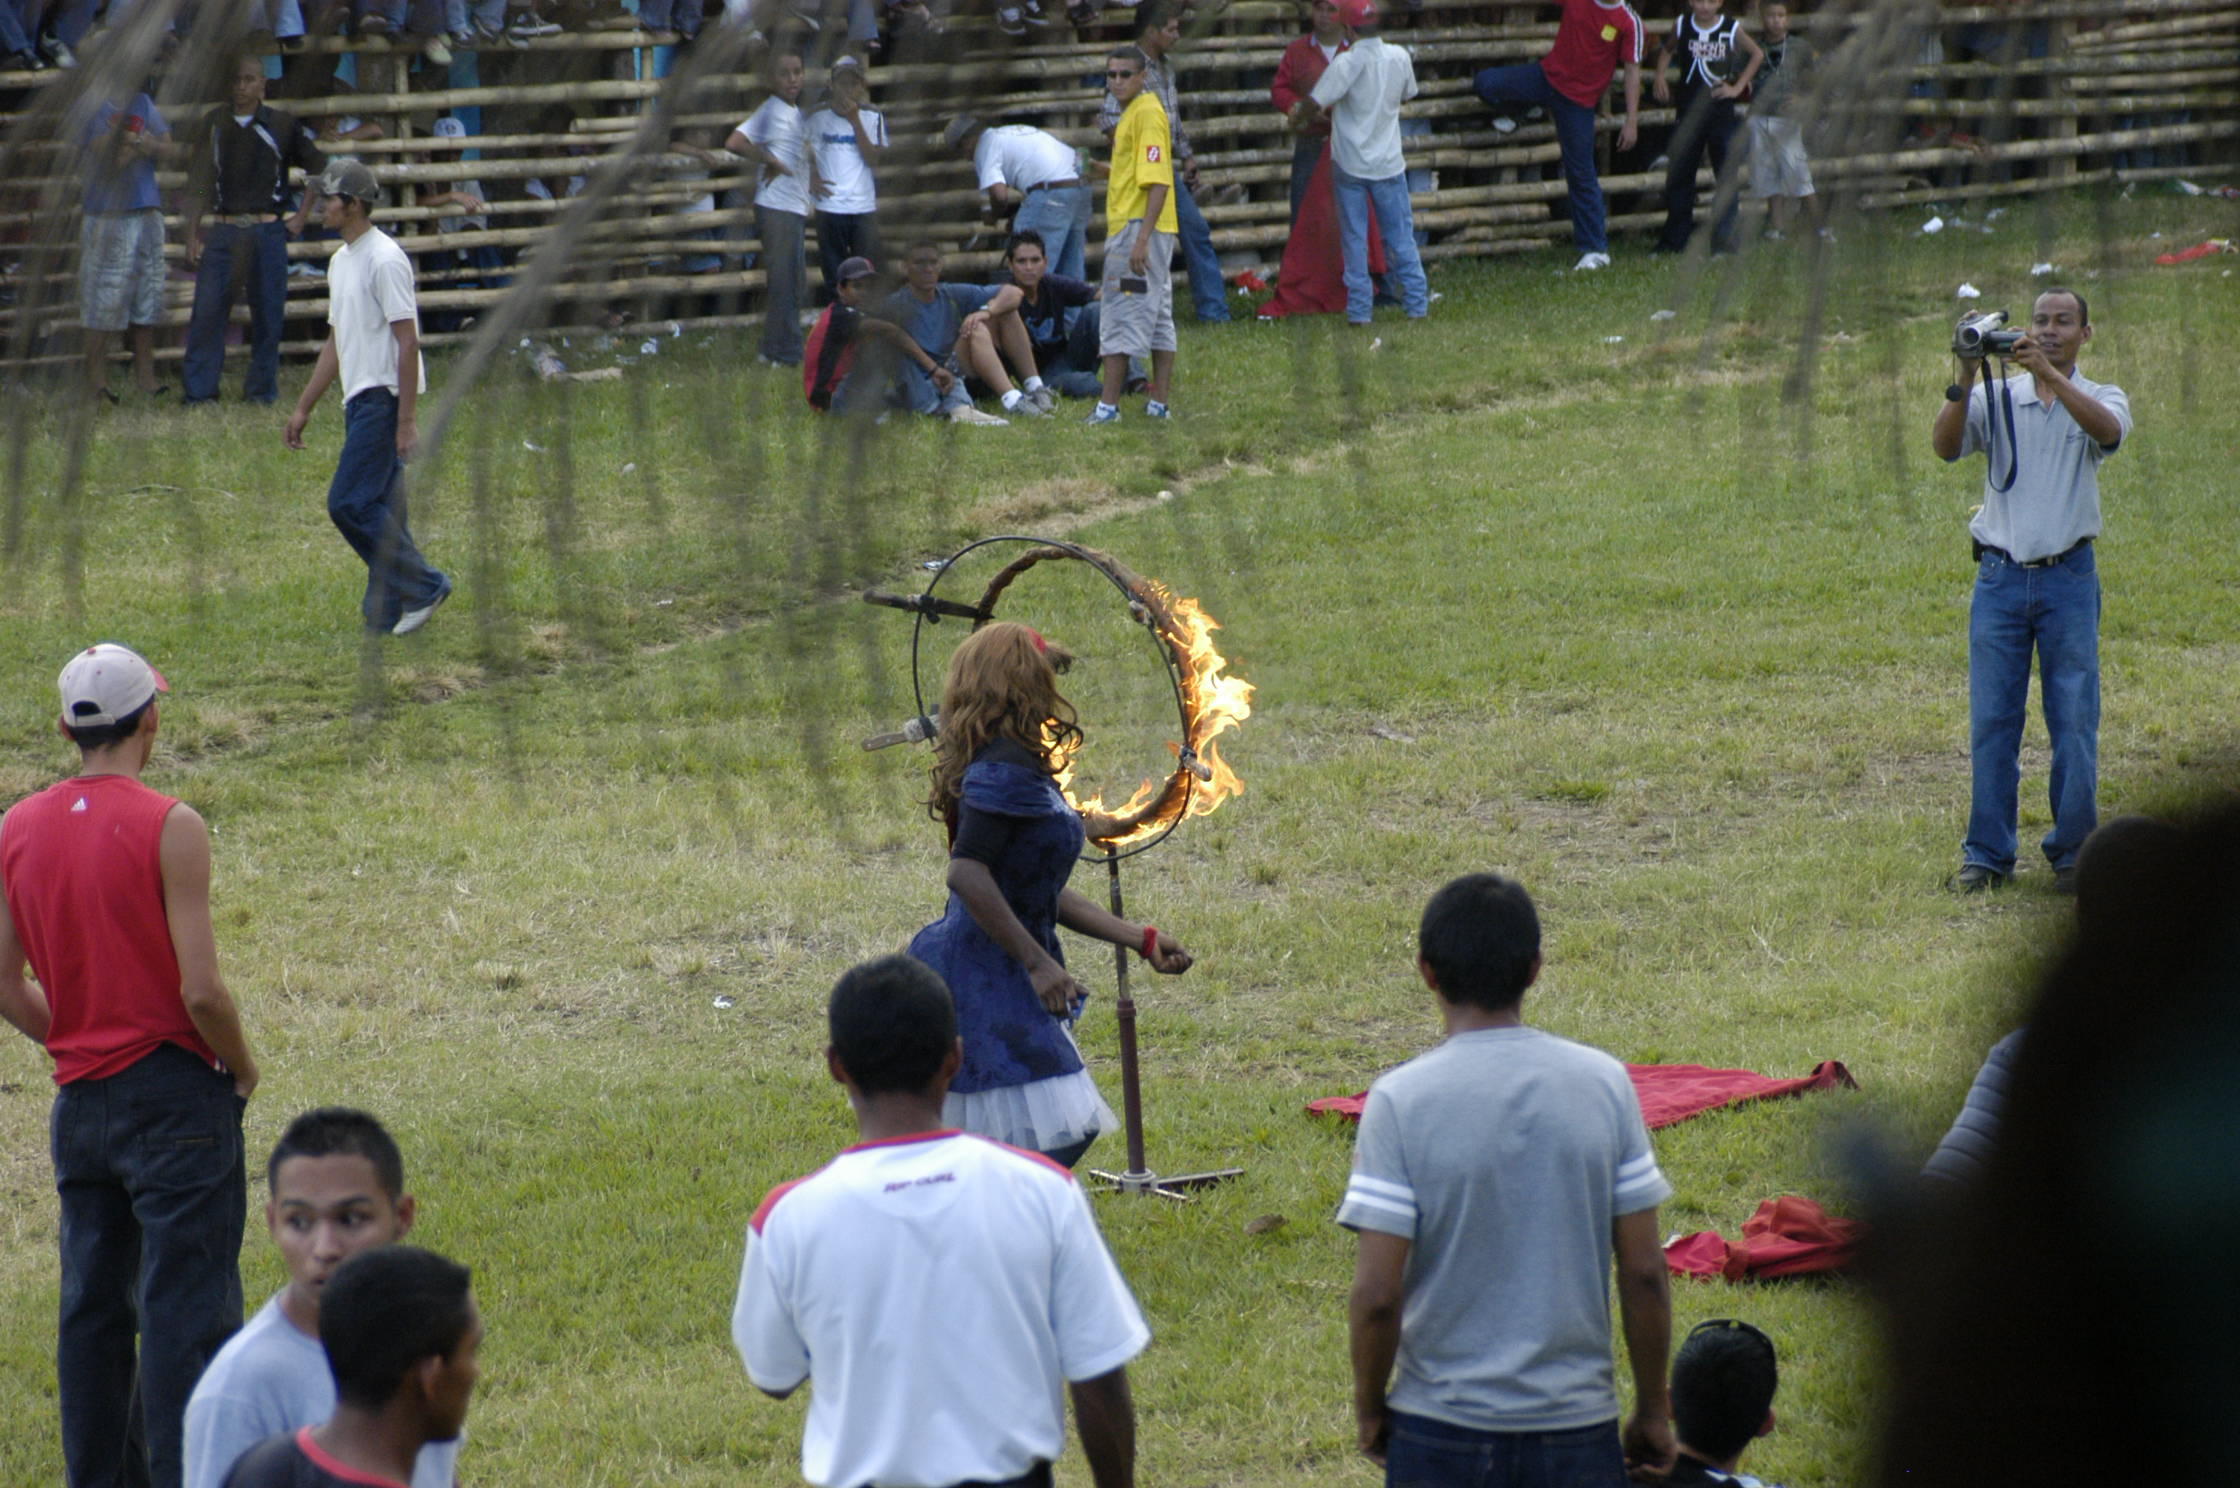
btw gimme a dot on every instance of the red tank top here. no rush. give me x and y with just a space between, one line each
81 863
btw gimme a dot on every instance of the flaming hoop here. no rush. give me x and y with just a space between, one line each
1208 702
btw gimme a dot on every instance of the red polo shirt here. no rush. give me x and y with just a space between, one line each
1591 43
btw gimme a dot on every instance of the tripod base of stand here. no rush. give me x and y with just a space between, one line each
1171 1186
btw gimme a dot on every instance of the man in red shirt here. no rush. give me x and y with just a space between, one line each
108 896
1304 62
1593 39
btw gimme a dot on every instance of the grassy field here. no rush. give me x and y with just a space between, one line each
1659 624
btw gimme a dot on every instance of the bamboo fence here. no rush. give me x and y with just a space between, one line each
1911 102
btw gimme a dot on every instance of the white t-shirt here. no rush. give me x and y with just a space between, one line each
840 160
269 1378
1363 90
942 1289
1020 155
777 127
369 286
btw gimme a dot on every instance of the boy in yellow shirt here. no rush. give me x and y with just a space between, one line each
1137 298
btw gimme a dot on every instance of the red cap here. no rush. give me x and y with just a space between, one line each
1356 14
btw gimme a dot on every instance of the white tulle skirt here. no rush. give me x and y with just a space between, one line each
1041 1115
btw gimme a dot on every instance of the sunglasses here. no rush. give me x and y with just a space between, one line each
1121 72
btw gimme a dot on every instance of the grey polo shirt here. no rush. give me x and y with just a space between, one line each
2055 501
1502 1156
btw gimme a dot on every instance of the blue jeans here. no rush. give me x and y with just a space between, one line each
1061 215
367 504
2056 610
1396 222
1424 1453
785 275
1209 295
148 1165
234 258
1525 84
680 16
840 237
1078 370
415 17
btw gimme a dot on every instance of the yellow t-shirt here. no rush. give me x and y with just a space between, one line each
1142 157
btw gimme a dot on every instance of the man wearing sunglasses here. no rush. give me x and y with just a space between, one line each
1722 1400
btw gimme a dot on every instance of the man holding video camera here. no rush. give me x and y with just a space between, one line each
2044 431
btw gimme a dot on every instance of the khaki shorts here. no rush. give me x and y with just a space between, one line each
1135 325
120 269
1777 163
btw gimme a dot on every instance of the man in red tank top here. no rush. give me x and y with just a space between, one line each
108 895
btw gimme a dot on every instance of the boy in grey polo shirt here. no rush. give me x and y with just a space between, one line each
1494 1179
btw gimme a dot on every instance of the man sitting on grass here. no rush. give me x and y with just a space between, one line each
1061 318
960 326
336 1182
1722 1400
401 1333
853 359
937 1286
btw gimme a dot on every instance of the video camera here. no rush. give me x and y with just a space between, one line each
1978 336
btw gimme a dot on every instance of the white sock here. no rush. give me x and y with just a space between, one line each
1034 384
1011 399
1104 407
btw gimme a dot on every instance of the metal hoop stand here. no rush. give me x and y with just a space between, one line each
1149 610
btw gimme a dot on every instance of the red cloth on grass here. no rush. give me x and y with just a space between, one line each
1788 1236
1313 278
1671 1092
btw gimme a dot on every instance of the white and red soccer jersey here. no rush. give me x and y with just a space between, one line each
1591 42
939 1291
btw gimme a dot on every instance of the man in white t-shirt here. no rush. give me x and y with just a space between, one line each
846 140
1361 91
373 336
1035 174
1495 1180
939 1288
336 1181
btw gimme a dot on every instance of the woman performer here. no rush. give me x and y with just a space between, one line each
1006 730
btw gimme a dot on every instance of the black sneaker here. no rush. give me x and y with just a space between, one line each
2065 880
1974 878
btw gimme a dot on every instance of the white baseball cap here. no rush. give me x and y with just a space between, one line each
105 683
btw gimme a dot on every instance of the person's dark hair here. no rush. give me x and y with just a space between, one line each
1130 53
1021 238
1154 17
102 735
922 245
386 1309
1722 1386
1480 936
2084 311
337 1131
2118 862
892 1024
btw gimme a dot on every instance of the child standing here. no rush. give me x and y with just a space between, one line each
775 137
1779 171
845 143
1721 60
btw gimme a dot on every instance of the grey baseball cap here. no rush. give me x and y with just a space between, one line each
105 683
352 178
959 127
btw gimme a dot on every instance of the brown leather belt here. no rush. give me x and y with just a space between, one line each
1050 185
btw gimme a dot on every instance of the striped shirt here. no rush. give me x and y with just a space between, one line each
1503 1155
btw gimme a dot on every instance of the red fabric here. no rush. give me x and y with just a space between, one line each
82 865
1671 1093
1592 43
1674 1092
818 380
1301 68
2208 249
1788 1236
1313 280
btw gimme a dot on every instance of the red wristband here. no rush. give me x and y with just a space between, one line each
1150 940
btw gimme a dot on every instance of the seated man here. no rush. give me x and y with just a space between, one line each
833 375
960 326
1722 1400
937 1289
1061 317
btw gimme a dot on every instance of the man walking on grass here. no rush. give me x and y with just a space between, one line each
108 899
1494 1180
373 347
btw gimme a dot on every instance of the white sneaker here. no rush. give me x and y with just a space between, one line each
1591 261
965 413
1044 398
412 620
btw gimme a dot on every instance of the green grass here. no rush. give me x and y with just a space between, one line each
1615 617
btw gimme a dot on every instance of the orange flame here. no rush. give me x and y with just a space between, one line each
1213 702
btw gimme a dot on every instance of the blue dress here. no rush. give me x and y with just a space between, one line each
1023 1080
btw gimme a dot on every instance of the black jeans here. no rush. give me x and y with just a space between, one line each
1707 126
148 1163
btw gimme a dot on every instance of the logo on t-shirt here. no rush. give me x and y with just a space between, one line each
1151 154
1609 33
81 804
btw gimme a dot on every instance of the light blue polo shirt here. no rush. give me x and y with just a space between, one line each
2055 501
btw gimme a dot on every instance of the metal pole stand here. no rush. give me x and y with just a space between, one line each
1139 1179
